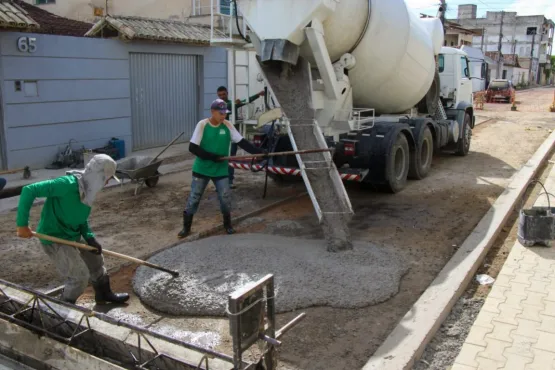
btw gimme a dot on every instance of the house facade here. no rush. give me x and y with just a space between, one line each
529 37
83 91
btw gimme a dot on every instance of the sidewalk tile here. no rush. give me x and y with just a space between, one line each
527 328
468 353
549 308
515 362
535 299
543 360
551 295
477 335
492 305
484 319
522 346
501 332
537 286
513 301
546 342
489 364
543 276
504 280
522 278
546 265
494 350
457 366
518 289
530 313
527 268
507 314
498 291
547 325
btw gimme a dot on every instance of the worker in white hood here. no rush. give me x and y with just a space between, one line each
65 215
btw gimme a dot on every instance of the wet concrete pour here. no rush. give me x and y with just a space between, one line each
306 274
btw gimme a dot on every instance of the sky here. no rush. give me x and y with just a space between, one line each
523 7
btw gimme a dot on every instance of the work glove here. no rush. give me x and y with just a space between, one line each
93 243
24 232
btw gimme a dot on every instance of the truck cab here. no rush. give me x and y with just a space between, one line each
454 76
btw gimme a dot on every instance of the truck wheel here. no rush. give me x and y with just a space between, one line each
398 163
421 161
463 145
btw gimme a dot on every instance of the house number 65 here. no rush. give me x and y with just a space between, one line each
27 44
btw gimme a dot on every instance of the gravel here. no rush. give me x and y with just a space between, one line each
444 348
305 273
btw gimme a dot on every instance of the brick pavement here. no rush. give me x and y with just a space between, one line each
515 328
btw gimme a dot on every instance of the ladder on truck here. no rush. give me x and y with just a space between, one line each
322 180
237 84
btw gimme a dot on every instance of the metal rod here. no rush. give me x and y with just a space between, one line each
105 318
308 151
167 146
104 251
290 325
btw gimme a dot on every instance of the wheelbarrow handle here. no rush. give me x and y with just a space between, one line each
167 146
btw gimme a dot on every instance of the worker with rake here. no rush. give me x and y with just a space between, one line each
210 143
65 215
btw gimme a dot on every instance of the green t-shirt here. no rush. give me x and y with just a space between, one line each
63 214
216 140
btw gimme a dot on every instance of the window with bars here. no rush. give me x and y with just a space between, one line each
40 2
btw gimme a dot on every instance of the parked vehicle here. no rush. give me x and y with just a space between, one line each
500 90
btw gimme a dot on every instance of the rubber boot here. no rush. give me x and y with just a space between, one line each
227 224
187 223
104 294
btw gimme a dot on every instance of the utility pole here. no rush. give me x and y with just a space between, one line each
499 46
531 57
442 11
483 35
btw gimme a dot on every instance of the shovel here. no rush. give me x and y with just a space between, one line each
104 251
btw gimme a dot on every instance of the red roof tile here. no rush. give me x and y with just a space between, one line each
53 24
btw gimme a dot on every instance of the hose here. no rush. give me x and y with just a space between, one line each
237 22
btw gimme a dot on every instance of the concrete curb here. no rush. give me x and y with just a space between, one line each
407 341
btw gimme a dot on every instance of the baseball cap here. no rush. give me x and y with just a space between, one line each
220 105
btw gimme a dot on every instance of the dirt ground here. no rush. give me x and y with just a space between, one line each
133 225
425 223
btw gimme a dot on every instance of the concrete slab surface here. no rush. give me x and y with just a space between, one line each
306 274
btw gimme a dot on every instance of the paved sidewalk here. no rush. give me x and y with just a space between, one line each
515 328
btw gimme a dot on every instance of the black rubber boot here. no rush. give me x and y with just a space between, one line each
187 223
227 224
104 294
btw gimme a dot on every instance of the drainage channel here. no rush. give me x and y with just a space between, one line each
39 331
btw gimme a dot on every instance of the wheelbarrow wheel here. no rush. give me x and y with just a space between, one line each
151 182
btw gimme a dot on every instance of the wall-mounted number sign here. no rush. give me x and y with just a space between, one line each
27 44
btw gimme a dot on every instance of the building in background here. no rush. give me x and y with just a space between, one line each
529 37
138 80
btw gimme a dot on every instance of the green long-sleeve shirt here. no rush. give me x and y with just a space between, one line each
63 214
237 106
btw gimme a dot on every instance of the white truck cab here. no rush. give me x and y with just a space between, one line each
454 76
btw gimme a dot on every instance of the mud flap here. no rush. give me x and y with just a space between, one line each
292 86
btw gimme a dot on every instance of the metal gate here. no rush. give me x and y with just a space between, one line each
164 97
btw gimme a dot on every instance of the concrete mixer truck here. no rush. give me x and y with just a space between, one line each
384 92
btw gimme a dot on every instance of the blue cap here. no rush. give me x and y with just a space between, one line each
220 105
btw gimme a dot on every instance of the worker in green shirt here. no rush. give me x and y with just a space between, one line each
211 142
223 94
65 215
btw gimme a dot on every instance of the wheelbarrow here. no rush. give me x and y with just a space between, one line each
142 170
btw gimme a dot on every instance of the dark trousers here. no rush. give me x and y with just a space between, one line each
232 152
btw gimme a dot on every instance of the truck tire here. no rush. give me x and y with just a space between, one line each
463 145
421 161
397 166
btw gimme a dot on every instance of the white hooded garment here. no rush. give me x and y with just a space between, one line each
93 178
